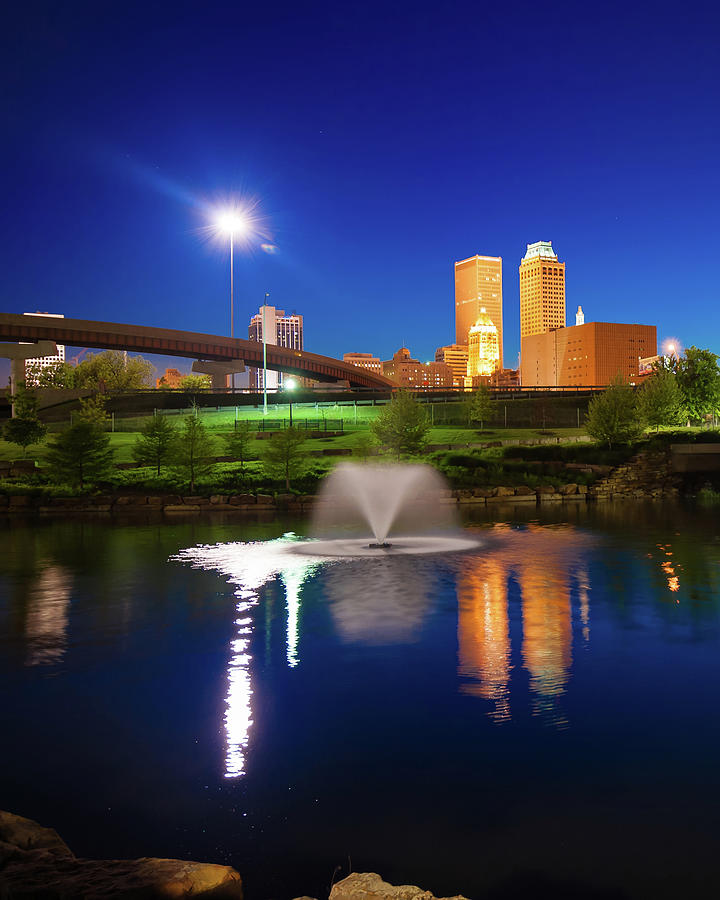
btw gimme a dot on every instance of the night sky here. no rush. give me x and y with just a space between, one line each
378 143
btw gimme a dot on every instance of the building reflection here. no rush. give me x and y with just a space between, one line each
543 562
46 620
484 634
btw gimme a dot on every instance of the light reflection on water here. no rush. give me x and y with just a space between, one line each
384 601
543 577
47 617
249 567
548 696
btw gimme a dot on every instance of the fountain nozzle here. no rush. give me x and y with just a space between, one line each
381 545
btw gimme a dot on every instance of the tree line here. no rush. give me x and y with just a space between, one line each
679 391
111 370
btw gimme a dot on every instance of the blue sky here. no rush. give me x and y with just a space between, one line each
381 142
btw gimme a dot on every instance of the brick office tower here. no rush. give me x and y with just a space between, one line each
478 284
542 290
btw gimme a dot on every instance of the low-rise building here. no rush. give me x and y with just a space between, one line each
364 361
587 355
411 373
171 379
456 357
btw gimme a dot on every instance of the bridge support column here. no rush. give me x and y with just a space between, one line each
218 371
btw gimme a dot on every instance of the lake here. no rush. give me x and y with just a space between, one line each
537 716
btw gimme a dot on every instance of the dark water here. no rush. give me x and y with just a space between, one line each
536 718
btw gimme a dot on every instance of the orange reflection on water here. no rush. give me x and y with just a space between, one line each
670 569
484 634
541 560
547 627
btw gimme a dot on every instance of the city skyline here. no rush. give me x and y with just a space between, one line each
367 180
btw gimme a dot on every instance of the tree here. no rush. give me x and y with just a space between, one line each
699 380
113 370
190 383
156 443
25 428
194 450
613 416
660 399
237 443
402 424
92 410
80 454
49 375
479 406
284 455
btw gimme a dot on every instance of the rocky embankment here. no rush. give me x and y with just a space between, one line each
36 864
647 475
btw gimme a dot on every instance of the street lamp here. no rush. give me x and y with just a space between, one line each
290 385
232 222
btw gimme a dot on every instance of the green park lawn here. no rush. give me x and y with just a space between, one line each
353 438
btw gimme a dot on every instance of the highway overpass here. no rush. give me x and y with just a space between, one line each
194 345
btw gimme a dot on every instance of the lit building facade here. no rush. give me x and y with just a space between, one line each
411 373
171 379
478 284
589 355
542 290
281 331
43 362
456 357
364 361
483 347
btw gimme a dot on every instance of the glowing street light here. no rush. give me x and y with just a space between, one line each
232 223
290 385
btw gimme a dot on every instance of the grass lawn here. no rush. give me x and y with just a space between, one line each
353 438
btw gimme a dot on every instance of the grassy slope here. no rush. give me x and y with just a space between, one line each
122 441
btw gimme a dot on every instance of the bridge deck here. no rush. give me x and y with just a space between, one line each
195 345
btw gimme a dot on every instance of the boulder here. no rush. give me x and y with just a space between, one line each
36 863
242 500
503 491
43 876
264 499
369 886
568 489
25 834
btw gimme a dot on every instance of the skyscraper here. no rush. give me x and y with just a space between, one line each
280 330
478 284
483 348
542 290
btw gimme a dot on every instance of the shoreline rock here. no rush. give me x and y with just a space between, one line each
36 863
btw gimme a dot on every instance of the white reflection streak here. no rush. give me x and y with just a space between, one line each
238 713
47 618
293 579
249 567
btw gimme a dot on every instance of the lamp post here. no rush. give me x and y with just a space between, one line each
232 222
290 385
264 356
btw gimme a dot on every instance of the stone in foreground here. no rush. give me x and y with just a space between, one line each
370 886
36 864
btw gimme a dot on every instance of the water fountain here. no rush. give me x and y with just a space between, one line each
361 505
